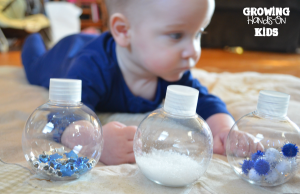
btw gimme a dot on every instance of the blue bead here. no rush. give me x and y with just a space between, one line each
71 167
43 158
85 160
81 160
290 150
247 165
261 166
72 161
54 164
55 156
67 170
257 155
82 168
71 155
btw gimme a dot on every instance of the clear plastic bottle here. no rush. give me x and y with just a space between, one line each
262 146
173 145
62 139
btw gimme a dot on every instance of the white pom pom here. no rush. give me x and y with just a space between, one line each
272 155
283 167
294 165
253 175
272 176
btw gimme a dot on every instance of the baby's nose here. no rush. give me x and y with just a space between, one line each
192 50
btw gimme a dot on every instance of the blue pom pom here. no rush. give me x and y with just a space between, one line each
261 166
247 165
256 155
290 150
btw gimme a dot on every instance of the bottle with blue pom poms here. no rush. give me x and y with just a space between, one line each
263 146
62 139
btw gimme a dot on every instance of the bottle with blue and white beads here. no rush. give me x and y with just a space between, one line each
263 146
62 139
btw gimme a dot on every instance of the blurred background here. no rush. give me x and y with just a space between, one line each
228 45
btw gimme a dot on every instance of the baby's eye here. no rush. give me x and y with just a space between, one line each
176 36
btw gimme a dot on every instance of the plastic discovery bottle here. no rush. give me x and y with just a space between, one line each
262 146
173 145
62 139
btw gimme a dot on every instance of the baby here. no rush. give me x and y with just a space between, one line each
151 44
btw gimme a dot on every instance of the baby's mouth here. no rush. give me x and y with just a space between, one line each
182 69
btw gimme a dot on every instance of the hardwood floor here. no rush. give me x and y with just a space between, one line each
217 60
12 58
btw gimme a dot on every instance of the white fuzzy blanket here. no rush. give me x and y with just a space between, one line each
239 91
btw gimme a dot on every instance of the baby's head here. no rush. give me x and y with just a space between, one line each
163 36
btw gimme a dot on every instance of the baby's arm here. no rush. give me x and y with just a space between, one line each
220 125
213 110
118 141
118 144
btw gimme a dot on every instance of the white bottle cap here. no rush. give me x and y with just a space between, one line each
273 103
181 100
65 90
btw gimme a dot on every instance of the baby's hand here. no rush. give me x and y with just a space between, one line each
220 142
118 144
220 125
243 144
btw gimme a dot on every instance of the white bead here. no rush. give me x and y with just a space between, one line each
47 153
36 164
60 151
272 155
294 165
283 167
272 176
253 175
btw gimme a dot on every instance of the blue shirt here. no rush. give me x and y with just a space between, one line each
93 59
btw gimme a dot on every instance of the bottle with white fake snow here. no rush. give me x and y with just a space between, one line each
173 145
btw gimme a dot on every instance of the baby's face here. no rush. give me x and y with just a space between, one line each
166 41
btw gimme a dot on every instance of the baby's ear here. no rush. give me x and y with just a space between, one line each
119 26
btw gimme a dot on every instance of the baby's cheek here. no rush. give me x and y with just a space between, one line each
162 62
81 134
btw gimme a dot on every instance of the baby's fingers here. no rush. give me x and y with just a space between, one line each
130 158
129 147
129 132
243 144
218 146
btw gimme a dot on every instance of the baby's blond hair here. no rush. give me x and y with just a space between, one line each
129 8
120 6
